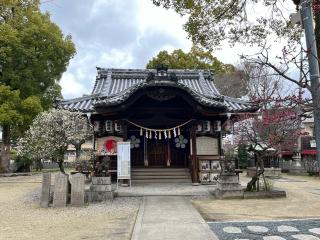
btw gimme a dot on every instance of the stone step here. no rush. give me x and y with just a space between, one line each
161 177
159 170
161 180
160 174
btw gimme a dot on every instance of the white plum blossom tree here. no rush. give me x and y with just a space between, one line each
50 134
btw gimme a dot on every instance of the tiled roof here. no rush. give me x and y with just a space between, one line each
113 86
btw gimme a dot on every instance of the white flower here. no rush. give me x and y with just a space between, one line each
134 142
181 141
51 132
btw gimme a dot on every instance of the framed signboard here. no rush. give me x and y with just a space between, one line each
123 160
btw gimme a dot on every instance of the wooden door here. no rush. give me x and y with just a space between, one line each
157 151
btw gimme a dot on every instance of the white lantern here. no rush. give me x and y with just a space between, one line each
108 126
217 126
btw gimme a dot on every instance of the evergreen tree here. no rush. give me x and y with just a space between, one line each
33 55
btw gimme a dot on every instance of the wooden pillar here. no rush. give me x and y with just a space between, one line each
145 151
168 154
124 131
194 161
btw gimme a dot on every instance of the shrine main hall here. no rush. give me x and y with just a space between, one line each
174 120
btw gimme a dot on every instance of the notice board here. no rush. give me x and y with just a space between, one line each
123 160
207 146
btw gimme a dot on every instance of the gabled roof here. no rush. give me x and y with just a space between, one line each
114 86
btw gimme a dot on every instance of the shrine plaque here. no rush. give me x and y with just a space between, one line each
77 190
60 190
207 146
45 190
123 160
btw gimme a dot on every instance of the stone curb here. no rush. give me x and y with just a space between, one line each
19 174
211 234
138 222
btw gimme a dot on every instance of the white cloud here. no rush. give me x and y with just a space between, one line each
119 34
71 87
152 18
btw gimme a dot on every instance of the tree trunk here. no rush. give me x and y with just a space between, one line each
61 167
317 31
60 158
39 165
5 148
78 149
255 178
77 145
316 112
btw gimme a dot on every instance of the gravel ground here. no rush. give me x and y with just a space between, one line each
302 201
22 218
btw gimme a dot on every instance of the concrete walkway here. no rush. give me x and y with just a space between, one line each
170 217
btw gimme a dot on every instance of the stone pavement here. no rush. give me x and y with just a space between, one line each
165 189
305 229
170 217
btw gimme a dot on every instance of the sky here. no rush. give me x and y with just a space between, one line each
118 34
113 33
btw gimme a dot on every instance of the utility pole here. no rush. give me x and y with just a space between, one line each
307 21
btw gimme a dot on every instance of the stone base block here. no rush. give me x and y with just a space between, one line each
262 194
229 186
226 194
100 188
101 196
101 180
298 171
229 178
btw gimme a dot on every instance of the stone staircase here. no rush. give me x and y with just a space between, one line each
160 175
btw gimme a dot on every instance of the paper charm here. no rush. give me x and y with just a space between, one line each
160 135
179 133
165 134
169 134
155 134
141 132
174 132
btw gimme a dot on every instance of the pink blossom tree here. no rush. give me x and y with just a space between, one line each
274 128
